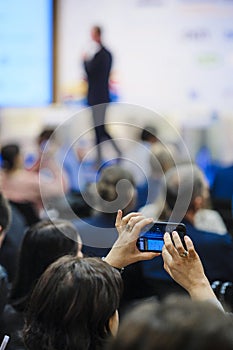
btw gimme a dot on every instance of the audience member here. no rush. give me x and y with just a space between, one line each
161 160
184 265
11 237
174 324
115 189
222 195
49 157
216 251
21 186
5 218
136 159
43 243
74 304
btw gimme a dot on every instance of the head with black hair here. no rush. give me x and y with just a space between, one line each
73 306
173 324
10 157
43 243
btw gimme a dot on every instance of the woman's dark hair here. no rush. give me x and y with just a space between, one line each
175 323
43 243
9 154
71 305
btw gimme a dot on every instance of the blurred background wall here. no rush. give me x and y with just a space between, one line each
170 56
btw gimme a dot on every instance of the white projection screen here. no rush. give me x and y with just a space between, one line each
168 54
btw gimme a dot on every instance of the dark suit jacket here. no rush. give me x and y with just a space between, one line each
98 70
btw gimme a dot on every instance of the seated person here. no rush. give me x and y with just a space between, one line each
185 196
222 195
5 217
114 189
174 324
136 157
22 186
12 227
43 243
161 160
74 304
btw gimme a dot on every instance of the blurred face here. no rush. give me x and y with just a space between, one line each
95 35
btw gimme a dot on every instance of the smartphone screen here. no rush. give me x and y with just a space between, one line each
151 239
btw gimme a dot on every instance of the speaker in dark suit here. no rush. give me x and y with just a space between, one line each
98 66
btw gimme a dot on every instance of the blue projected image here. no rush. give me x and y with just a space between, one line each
26 32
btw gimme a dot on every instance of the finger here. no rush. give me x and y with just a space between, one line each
127 217
169 245
139 226
189 244
118 218
135 219
178 243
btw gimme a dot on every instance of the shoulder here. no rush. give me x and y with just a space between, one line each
105 51
200 235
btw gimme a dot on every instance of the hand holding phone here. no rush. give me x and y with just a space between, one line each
151 238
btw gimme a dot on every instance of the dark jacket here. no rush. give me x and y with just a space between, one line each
98 70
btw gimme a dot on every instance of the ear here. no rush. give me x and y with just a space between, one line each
1 229
2 237
198 203
114 323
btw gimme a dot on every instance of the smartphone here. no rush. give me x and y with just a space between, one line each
151 238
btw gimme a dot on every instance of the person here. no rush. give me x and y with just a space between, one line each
74 304
5 218
26 188
12 229
136 158
97 67
43 243
186 268
173 324
115 188
63 315
161 159
216 251
222 194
